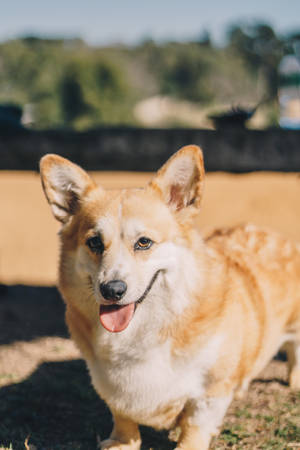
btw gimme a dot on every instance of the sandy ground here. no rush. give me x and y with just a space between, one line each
37 359
28 241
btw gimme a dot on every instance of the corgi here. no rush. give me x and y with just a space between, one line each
171 325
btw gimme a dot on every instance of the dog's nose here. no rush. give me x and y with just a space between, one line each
113 290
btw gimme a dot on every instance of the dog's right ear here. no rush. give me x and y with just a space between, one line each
64 184
180 181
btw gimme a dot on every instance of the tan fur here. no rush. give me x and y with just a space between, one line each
125 435
217 321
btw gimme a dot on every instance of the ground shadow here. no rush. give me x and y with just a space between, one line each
30 312
58 409
270 380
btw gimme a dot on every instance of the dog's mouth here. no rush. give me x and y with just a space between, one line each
116 318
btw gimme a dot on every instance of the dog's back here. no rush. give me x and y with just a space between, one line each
263 277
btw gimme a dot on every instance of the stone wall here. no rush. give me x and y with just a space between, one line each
235 150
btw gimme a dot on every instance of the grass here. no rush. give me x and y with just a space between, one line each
267 419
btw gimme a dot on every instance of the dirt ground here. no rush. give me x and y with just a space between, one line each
28 241
45 393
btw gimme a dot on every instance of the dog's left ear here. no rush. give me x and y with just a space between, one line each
64 184
180 181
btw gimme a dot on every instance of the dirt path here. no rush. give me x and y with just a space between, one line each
28 242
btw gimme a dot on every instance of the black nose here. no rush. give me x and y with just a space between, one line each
113 290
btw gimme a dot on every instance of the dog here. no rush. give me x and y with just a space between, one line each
171 325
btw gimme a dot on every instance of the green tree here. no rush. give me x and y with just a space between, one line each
261 49
93 91
185 75
73 105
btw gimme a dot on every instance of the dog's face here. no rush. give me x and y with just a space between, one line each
125 247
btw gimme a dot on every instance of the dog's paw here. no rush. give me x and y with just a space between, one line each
174 434
116 445
110 443
191 447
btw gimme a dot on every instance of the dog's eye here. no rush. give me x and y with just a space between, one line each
143 244
95 244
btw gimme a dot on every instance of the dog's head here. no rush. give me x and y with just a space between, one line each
125 247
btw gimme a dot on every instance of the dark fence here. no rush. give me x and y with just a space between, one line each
233 150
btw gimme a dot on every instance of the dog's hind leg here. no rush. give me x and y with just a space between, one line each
125 435
293 353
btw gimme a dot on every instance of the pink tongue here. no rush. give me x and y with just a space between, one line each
116 318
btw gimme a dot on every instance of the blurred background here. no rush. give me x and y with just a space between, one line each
118 87
159 64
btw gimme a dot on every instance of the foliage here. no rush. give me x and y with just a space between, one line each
261 49
91 89
184 70
73 85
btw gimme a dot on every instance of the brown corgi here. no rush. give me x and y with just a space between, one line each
171 325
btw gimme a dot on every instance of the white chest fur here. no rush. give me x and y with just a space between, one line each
140 381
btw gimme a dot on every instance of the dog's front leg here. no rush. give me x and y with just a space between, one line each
125 435
200 420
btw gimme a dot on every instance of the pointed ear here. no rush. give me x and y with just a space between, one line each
180 181
64 184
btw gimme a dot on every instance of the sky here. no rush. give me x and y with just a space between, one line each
130 21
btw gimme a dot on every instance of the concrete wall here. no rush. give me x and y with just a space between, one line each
146 149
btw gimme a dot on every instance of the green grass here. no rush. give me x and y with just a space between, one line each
268 418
